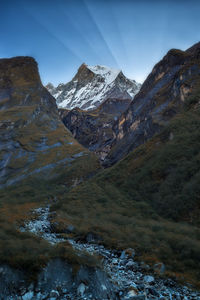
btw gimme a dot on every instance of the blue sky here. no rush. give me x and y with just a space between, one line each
126 34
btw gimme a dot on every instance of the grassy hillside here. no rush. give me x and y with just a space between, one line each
24 250
38 155
150 200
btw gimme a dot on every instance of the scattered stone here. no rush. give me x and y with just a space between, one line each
130 264
123 254
115 261
81 289
123 278
28 296
54 294
131 293
104 288
148 279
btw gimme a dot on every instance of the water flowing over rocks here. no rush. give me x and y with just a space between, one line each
121 277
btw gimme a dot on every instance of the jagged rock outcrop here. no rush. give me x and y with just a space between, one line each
33 139
58 280
91 86
160 98
93 129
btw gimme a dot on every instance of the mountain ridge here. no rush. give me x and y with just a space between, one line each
148 201
160 98
91 86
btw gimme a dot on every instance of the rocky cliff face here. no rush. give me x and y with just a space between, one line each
91 86
93 129
112 135
160 98
33 139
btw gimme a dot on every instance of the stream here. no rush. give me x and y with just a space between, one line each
126 278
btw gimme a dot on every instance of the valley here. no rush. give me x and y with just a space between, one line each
99 182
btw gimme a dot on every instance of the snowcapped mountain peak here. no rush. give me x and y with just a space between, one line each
93 85
109 74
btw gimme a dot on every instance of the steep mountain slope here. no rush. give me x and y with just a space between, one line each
33 140
160 98
93 129
150 200
91 86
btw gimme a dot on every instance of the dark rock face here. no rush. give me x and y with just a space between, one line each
94 129
160 98
118 126
57 281
33 140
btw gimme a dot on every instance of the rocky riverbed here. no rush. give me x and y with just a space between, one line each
120 277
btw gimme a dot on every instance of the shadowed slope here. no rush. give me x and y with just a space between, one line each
33 139
149 200
159 99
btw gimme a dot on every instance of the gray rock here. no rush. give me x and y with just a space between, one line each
28 296
57 273
81 289
148 279
123 255
134 285
131 294
54 294
115 261
130 264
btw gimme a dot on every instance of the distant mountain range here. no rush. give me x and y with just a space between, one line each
91 86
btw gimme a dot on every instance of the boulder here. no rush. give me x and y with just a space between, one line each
54 294
148 279
130 264
81 289
28 296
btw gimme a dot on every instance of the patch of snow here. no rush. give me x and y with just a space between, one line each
90 93
109 74
56 95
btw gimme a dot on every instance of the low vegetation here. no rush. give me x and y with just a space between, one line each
149 201
23 250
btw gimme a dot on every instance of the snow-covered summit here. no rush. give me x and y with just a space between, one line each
107 73
91 86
